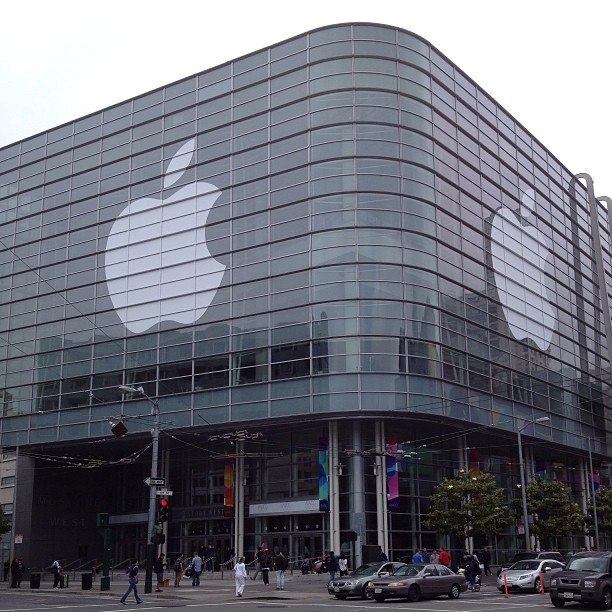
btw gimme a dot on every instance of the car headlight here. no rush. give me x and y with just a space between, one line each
395 584
526 577
590 584
351 582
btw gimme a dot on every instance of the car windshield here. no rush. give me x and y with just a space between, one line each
408 570
588 564
366 570
526 565
523 556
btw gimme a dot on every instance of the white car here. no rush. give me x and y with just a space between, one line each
528 575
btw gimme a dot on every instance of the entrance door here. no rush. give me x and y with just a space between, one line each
308 545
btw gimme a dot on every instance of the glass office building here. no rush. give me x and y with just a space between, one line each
326 253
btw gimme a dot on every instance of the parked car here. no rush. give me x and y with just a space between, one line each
524 556
587 578
414 582
355 583
528 575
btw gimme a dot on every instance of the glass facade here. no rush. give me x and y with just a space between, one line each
343 223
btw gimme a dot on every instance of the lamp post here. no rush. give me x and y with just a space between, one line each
522 471
152 489
594 498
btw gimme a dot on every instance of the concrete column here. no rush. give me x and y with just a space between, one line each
239 484
357 492
334 491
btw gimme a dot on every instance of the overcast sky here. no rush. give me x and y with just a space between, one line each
548 62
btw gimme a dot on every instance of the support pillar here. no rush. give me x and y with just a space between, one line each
357 491
239 486
334 490
381 489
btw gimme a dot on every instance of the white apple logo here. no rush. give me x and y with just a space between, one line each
519 253
157 264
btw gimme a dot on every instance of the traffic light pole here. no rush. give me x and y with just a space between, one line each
152 497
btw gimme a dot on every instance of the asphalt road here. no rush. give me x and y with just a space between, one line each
302 594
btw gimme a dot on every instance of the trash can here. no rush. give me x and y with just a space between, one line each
86 581
34 580
64 581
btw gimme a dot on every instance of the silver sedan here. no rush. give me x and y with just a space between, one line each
356 584
528 575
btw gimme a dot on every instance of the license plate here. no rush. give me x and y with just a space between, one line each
568 596
378 590
336 589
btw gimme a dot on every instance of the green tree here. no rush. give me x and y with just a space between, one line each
603 497
5 524
554 511
467 505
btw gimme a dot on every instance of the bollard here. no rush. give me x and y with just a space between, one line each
542 582
506 585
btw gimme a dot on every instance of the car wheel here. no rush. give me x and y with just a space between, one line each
537 586
379 598
339 596
454 592
558 603
606 599
367 591
414 593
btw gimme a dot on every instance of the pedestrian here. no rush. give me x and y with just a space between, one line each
305 567
14 573
444 558
417 558
486 561
258 557
132 573
266 563
7 567
158 568
20 571
179 567
240 574
343 565
196 569
426 556
56 568
434 557
281 563
210 559
332 566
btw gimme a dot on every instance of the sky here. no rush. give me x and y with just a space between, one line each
547 62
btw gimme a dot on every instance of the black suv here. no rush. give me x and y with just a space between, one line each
587 578
527 556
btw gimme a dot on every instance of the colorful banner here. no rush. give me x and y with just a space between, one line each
323 475
393 501
228 486
473 462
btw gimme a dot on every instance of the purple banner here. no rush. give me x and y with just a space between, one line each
323 475
393 502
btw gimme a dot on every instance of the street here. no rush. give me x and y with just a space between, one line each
303 593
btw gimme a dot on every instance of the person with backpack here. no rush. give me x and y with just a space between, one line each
132 573
281 563
179 567
332 566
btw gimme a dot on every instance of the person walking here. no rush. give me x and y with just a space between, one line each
486 561
158 568
417 558
444 558
210 559
332 566
56 568
20 571
240 575
266 563
132 573
343 565
179 567
196 569
7 567
258 557
281 563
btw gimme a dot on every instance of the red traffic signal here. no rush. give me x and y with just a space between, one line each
163 510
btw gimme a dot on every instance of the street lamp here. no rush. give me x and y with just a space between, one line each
522 471
152 489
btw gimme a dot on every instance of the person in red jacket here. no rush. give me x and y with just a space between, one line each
444 558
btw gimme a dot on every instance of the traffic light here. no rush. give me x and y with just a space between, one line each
163 510
160 539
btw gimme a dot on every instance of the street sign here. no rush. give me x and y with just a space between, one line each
18 538
155 482
164 492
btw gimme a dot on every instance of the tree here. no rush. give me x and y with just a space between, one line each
603 497
467 505
5 524
554 511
